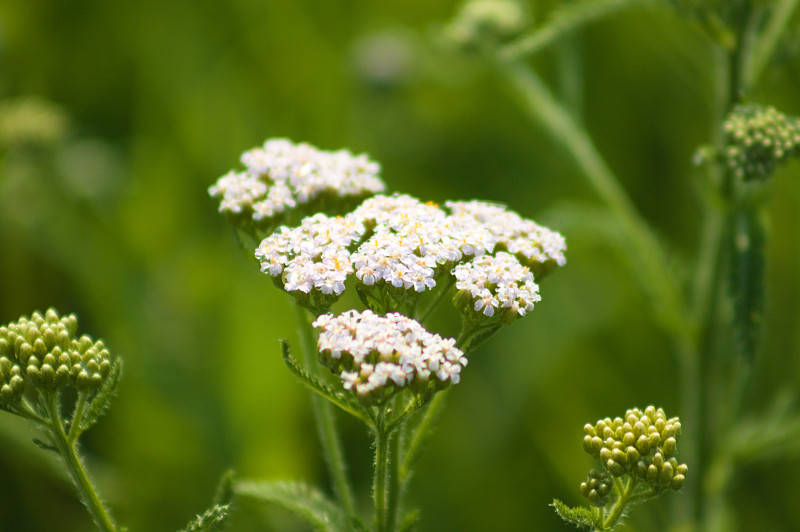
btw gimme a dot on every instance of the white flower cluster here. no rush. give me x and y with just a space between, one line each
280 175
399 241
498 282
376 356
529 241
312 256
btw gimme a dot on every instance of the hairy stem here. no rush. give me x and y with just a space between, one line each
395 488
624 498
67 448
379 487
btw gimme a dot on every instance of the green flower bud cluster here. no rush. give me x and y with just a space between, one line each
642 444
757 139
597 488
43 353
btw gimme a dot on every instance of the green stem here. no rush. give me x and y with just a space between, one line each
543 107
329 437
77 417
67 448
395 487
379 486
626 496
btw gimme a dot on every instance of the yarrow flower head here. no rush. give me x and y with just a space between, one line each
283 182
497 284
758 139
642 444
397 248
44 353
379 356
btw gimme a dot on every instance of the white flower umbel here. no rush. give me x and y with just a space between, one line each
281 177
312 260
497 284
398 248
378 356
535 246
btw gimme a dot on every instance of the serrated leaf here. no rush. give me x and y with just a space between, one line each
102 399
214 518
211 520
564 20
579 516
746 281
342 400
306 502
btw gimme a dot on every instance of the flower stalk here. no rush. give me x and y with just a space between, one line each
67 447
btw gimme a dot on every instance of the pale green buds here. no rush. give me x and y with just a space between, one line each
642 444
42 353
757 139
597 488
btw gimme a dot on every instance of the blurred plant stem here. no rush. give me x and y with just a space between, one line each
543 108
710 402
323 412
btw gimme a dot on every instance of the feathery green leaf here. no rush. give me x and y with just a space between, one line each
102 399
579 516
340 399
306 502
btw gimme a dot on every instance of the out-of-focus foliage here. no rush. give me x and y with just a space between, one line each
135 108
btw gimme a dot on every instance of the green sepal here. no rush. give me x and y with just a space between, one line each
306 502
99 403
579 516
746 281
41 444
10 409
342 400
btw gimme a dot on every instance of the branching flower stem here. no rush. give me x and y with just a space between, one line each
380 482
323 412
67 448
626 495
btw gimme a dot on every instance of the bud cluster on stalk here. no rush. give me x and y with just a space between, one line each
44 353
597 488
642 444
758 139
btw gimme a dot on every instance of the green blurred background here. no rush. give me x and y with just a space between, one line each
141 105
